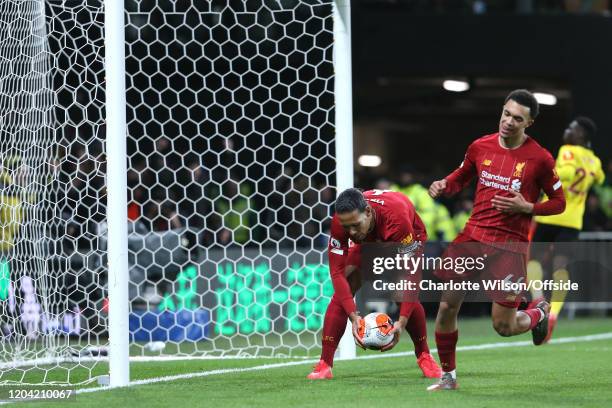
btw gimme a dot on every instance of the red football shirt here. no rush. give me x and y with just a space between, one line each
396 221
528 169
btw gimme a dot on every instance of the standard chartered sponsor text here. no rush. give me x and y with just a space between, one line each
412 264
494 181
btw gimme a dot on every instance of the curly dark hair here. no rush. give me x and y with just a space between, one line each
350 200
590 128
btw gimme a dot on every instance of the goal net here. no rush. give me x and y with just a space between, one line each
231 168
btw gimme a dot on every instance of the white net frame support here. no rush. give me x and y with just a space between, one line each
344 124
294 50
118 273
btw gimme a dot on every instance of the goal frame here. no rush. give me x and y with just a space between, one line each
116 140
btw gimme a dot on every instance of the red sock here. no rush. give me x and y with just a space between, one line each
417 328
447 343
534 316
333 329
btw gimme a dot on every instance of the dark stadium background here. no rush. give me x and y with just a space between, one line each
401 56
180 112
190 140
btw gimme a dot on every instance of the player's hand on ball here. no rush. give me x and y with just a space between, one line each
514 204
357 323
396 336
395 331
437 188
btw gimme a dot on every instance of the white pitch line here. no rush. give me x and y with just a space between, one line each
170 358
576 339
134 359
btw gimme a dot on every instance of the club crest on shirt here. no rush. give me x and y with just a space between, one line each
568 155
407 240
486 162
518 169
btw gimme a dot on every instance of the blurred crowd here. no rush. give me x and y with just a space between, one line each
216 204
278 207
286 208
226 204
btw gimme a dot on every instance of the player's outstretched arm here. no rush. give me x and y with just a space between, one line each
437 188
396 331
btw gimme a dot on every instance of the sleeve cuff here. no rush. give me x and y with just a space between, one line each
349 306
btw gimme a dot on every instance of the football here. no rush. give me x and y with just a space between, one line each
374 330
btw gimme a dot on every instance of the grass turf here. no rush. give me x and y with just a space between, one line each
559 375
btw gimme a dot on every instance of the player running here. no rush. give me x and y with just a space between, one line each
371 216
512 169
579 169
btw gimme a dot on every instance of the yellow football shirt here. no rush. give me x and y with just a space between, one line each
10 217
578 169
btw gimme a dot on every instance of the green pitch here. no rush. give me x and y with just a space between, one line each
571 374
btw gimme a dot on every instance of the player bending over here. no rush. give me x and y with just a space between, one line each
371 216
579 169
512 169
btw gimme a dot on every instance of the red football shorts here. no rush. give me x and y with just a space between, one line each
499 265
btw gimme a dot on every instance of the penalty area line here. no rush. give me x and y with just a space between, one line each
562 340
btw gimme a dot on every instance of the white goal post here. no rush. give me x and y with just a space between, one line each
116 135
343 91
